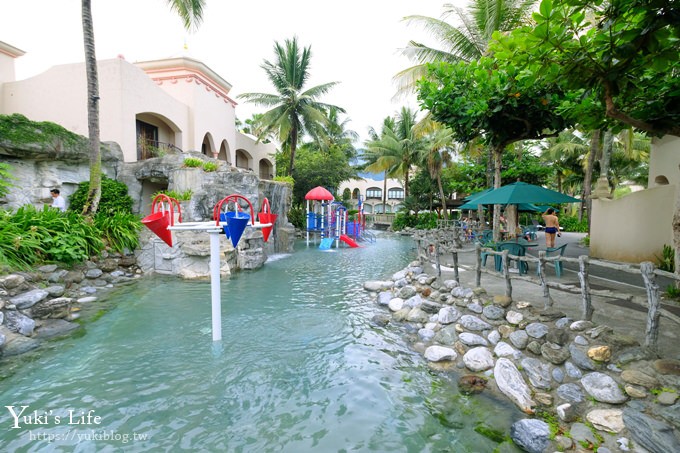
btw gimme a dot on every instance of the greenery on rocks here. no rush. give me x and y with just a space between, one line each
211 166
667 259
179 196
5 178
19 130
114 197
193 162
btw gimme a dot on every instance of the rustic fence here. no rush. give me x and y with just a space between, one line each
432 244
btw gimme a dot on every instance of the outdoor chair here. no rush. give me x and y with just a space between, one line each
485 255
514 248
530 232
555 251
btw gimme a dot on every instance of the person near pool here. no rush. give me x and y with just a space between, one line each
552 227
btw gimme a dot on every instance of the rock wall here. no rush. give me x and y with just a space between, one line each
40 168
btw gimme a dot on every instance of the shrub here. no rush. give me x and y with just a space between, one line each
287 179
571 223
119 230
667 259
5 178
114 197
193 162
179 196
297 217
210 166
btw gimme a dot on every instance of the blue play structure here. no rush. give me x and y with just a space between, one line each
328 220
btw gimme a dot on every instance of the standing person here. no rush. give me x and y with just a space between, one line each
57 200
552 227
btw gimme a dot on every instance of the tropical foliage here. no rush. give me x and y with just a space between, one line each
294 110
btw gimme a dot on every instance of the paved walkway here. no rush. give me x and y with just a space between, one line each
623 316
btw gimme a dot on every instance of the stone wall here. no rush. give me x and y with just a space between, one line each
41 168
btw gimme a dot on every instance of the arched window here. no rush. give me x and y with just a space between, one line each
374 192
396 193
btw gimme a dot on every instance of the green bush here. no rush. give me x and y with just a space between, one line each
667 259
179 196
422 221
571 223
287 179
114 197
298 218
210 166
193 162
119 230
5 178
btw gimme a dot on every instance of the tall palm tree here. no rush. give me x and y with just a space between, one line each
465 40
334 133
294 109
191 13
440 144
397 148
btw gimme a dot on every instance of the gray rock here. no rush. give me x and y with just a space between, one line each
581 433
18 322
503 349
400 283
448 315
478 359
384 297
558 336
85 300
472 339
493 312
570 393
55 290
671 414
426 334
603 388
447 335
417 315
534 347
514 317
58 276
558 374
88 290
396 304
380 320
651 434
550 314
537 372
48 268
610 420
581 340
537 330
51 328
580 359
473 323
450 284
437 353
637 377
12 281
554 353
509 381
531 434
519 339
563 322
19 345
475 307
667 398
413 301
73 277
579 326
494 337
28 299
572 370
406 292
59 307
93 273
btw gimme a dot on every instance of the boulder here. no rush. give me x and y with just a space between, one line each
603 388
509 381
478 359
532 435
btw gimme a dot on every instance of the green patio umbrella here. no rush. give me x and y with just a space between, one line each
521 192
523 207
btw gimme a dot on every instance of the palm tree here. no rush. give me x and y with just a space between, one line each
191 13
396 150
294 109
334 133
467 40
440 144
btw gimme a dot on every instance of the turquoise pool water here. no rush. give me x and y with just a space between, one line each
300 368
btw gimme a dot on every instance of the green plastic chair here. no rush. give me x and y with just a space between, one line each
555 251
514 248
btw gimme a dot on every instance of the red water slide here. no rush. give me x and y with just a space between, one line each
349 241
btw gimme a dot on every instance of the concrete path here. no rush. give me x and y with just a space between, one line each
623 316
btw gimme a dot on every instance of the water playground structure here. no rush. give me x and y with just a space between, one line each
328 221
163 220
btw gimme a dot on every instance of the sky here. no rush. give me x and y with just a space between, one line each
353 42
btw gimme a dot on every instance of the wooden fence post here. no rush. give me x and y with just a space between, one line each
455 266
478 253
653 315
547 300
587 310
506 273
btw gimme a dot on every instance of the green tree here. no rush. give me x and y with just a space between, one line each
397 148
465 39
294 110
436 153
316 168
190 11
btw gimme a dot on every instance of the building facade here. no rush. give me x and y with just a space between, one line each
147 107
375 193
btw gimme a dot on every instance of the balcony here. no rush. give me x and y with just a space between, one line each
148 149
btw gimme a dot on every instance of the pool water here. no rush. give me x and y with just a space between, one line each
300 368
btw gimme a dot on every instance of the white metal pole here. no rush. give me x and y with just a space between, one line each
215 285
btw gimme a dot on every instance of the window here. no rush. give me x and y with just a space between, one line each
374 192
395 194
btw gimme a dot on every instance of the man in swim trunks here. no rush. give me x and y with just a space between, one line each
552 227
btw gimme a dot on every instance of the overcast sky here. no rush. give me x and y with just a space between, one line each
354 42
